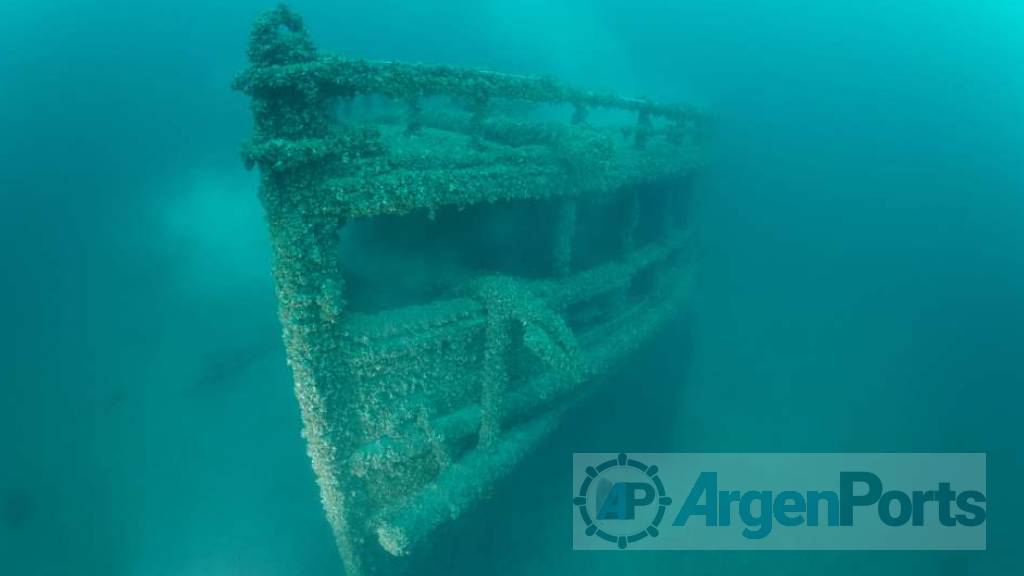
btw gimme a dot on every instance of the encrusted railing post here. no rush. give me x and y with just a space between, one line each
425 415
496 294
494 379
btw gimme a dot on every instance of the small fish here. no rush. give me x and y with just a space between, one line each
114 399
219 369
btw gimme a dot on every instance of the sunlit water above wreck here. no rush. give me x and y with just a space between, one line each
859 238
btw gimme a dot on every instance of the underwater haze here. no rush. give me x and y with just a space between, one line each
860 286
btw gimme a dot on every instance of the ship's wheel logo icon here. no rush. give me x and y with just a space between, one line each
622 501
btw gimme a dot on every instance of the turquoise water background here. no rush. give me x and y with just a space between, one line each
860 235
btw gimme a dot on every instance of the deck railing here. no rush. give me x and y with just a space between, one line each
413 414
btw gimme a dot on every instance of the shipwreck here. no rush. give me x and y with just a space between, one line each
415 404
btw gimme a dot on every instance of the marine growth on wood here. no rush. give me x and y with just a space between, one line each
412 413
